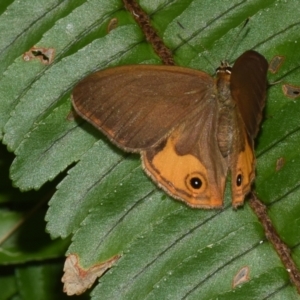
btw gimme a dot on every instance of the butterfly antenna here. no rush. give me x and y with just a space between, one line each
236 38
185 42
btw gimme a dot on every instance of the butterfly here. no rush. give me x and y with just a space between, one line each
191 129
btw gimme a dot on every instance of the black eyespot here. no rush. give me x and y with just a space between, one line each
239 180
196 183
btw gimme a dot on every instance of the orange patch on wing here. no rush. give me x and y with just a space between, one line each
246 167
177 173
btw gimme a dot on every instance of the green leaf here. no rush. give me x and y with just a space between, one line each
39 281
24 243
23 23
53 137
30 242
7 285
105 201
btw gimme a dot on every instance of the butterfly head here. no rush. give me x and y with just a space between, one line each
224 68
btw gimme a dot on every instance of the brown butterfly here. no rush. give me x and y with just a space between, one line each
189 127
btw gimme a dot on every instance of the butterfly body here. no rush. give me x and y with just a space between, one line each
226 112
190 128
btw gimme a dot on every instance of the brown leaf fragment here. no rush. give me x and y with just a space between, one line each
113 23
77 280
291 91
44 55
241 277
280 163
276 63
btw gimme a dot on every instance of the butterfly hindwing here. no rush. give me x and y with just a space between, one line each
188 164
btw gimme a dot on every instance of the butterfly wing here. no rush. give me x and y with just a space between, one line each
242 167
188 164
248 85
137 106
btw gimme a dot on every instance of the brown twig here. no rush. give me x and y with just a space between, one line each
151 35
282 250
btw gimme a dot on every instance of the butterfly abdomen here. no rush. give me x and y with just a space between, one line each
225 131
226 113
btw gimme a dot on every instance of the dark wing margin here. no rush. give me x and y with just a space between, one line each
248 84
136 106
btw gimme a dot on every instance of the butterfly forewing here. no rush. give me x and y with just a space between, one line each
248 85
136 106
